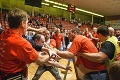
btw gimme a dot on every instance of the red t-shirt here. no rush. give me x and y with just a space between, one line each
93 40
53 43
15 52
58 39
83 44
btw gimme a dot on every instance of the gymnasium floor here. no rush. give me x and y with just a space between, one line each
48 76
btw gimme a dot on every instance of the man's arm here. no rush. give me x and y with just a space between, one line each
42 58
95 57
40 30
58 65
65 54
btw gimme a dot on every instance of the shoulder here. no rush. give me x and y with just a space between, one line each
108 45
52 39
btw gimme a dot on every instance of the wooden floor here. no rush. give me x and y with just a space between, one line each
47 76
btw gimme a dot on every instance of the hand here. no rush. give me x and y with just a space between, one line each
69 68
41 30
52 54
48 46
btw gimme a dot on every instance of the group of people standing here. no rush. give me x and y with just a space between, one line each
16 52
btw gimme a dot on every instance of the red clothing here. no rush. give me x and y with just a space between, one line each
87 34
93 40
16 52
58 39
53 43
83 44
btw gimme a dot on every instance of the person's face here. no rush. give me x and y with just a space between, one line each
118 32
58 31
70 36
100 37
47 34
41 41
25 26
95 30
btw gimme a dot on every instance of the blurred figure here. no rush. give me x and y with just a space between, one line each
87 34
114 70
117 34
95 36
59 39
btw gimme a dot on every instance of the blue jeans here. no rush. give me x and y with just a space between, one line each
96 76
41 69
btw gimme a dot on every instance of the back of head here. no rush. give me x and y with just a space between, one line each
114 70
16 16
103 30
76 30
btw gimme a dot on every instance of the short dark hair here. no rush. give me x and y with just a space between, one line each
76 30
36 36
103 30
16 16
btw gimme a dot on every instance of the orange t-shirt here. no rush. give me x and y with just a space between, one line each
53 43
93 40
15 52
87 34
58 39
83 44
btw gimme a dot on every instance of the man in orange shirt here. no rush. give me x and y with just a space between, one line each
95 36
15 51
59 38
83 44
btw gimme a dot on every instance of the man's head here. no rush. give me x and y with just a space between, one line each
103 32
95 29
86 29
57 31
47 34
114 70
72 33
18 18
117 32
39 39
111 31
